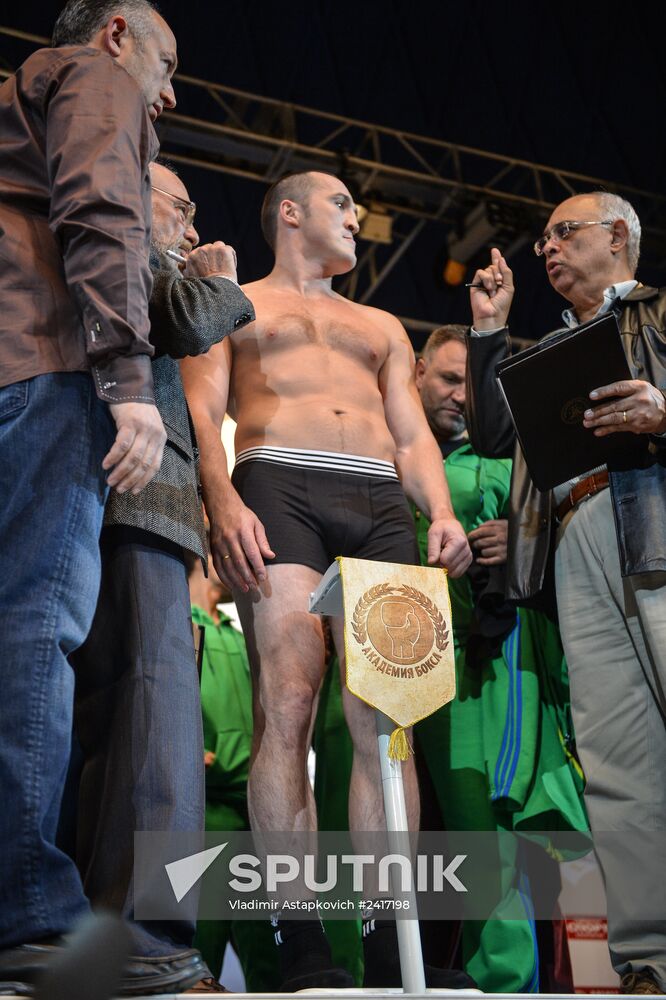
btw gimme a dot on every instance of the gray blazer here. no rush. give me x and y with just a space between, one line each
187 317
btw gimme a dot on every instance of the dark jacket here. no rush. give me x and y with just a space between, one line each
187 317
77 142
638 493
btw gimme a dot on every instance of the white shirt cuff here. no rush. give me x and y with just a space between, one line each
485 333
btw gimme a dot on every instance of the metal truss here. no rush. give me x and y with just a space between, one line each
418 180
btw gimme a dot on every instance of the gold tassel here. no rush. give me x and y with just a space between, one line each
399 748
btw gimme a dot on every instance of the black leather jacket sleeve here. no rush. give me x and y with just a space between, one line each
489 423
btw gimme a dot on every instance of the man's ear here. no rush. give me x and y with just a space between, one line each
289 212
419 372
115 35
620 235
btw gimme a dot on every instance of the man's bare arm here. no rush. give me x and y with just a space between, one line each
237 537
418 458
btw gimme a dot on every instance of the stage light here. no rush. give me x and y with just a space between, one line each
376 224
477 230
454 272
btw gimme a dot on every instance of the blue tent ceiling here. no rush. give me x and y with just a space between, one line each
545 84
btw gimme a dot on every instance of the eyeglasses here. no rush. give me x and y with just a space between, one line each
562 230
186 208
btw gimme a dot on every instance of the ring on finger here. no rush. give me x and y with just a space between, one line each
624 416
227 556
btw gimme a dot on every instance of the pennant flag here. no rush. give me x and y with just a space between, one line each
398 641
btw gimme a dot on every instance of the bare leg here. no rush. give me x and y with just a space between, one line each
366 813
366 805
286 651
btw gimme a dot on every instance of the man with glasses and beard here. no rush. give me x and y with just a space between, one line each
137 706
608 532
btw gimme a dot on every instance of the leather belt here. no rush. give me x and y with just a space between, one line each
585 488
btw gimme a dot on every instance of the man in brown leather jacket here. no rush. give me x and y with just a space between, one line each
605 536
76 406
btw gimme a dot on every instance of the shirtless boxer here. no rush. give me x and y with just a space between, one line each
328 418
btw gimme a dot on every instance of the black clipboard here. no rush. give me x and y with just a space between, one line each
546 389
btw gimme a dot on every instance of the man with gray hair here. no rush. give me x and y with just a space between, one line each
77 413
607 529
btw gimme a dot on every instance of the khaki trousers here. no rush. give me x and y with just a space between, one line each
614 637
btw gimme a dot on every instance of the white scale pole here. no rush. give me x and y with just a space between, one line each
327 600
409 936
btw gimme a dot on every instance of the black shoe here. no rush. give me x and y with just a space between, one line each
382 962
305 957
640 983
323 979
439 979
22 966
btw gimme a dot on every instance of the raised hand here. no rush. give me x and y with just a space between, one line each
210 260
491 303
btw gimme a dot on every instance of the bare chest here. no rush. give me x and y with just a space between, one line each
315 333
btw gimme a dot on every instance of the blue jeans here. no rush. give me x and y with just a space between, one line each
54 433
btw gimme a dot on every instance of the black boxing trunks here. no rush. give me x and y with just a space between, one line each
316 505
